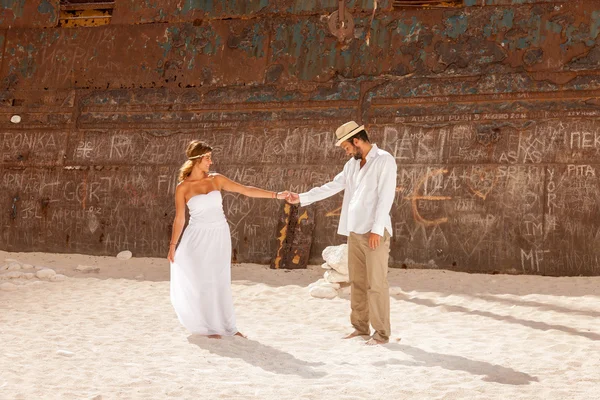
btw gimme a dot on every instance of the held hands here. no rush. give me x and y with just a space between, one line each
290 197
283 195
293 198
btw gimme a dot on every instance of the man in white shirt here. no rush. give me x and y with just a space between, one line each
369 183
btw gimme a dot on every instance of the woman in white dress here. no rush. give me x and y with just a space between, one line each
201 264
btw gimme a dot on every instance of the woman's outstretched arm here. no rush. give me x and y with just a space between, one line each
224 183
178 222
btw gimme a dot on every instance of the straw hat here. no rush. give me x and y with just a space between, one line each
346 131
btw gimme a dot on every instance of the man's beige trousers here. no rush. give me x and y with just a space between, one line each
370 291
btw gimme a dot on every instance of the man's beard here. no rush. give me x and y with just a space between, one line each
357 153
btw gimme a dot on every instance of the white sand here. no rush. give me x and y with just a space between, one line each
108 335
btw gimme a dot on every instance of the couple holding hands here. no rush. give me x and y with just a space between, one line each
201 263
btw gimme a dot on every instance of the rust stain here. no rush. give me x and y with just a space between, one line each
281 238
303 217
415 197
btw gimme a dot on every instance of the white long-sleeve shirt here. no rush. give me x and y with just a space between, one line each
369 193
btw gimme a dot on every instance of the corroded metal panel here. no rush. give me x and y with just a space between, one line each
492 113
70 209
136 12
462 42
539 39
182 55
30 13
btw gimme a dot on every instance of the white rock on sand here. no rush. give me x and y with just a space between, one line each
86 269
333 276
13 266
336 266
11 275
337 257
45 273
324 283
124 255
323 292
58 278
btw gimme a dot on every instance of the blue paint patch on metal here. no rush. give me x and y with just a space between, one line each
223 7
379 35
364 4
167 45
258 43
553 27
46 7
303 5
27 66
188 41
595 25
469 3
409 32
298 36
499 22
457 26
325 6
533 27
16 6
203 5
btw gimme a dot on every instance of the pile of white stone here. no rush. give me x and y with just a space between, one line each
14 274
336 273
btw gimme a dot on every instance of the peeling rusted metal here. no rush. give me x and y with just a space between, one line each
492 113
84 18
294 238
34 13
136 12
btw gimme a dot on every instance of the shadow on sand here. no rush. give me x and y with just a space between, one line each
491 372
543 326
260 355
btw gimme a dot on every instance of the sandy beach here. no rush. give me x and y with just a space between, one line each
112 334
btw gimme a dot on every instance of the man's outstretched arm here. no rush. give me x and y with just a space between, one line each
321 192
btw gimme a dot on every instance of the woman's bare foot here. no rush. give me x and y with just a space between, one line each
240 334
355 334
214 336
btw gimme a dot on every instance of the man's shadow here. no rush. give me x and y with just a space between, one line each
491 372
260 355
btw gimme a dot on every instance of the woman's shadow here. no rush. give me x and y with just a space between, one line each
260 355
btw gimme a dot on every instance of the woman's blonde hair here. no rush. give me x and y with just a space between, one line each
195 149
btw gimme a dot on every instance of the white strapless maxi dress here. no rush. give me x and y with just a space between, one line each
201 272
